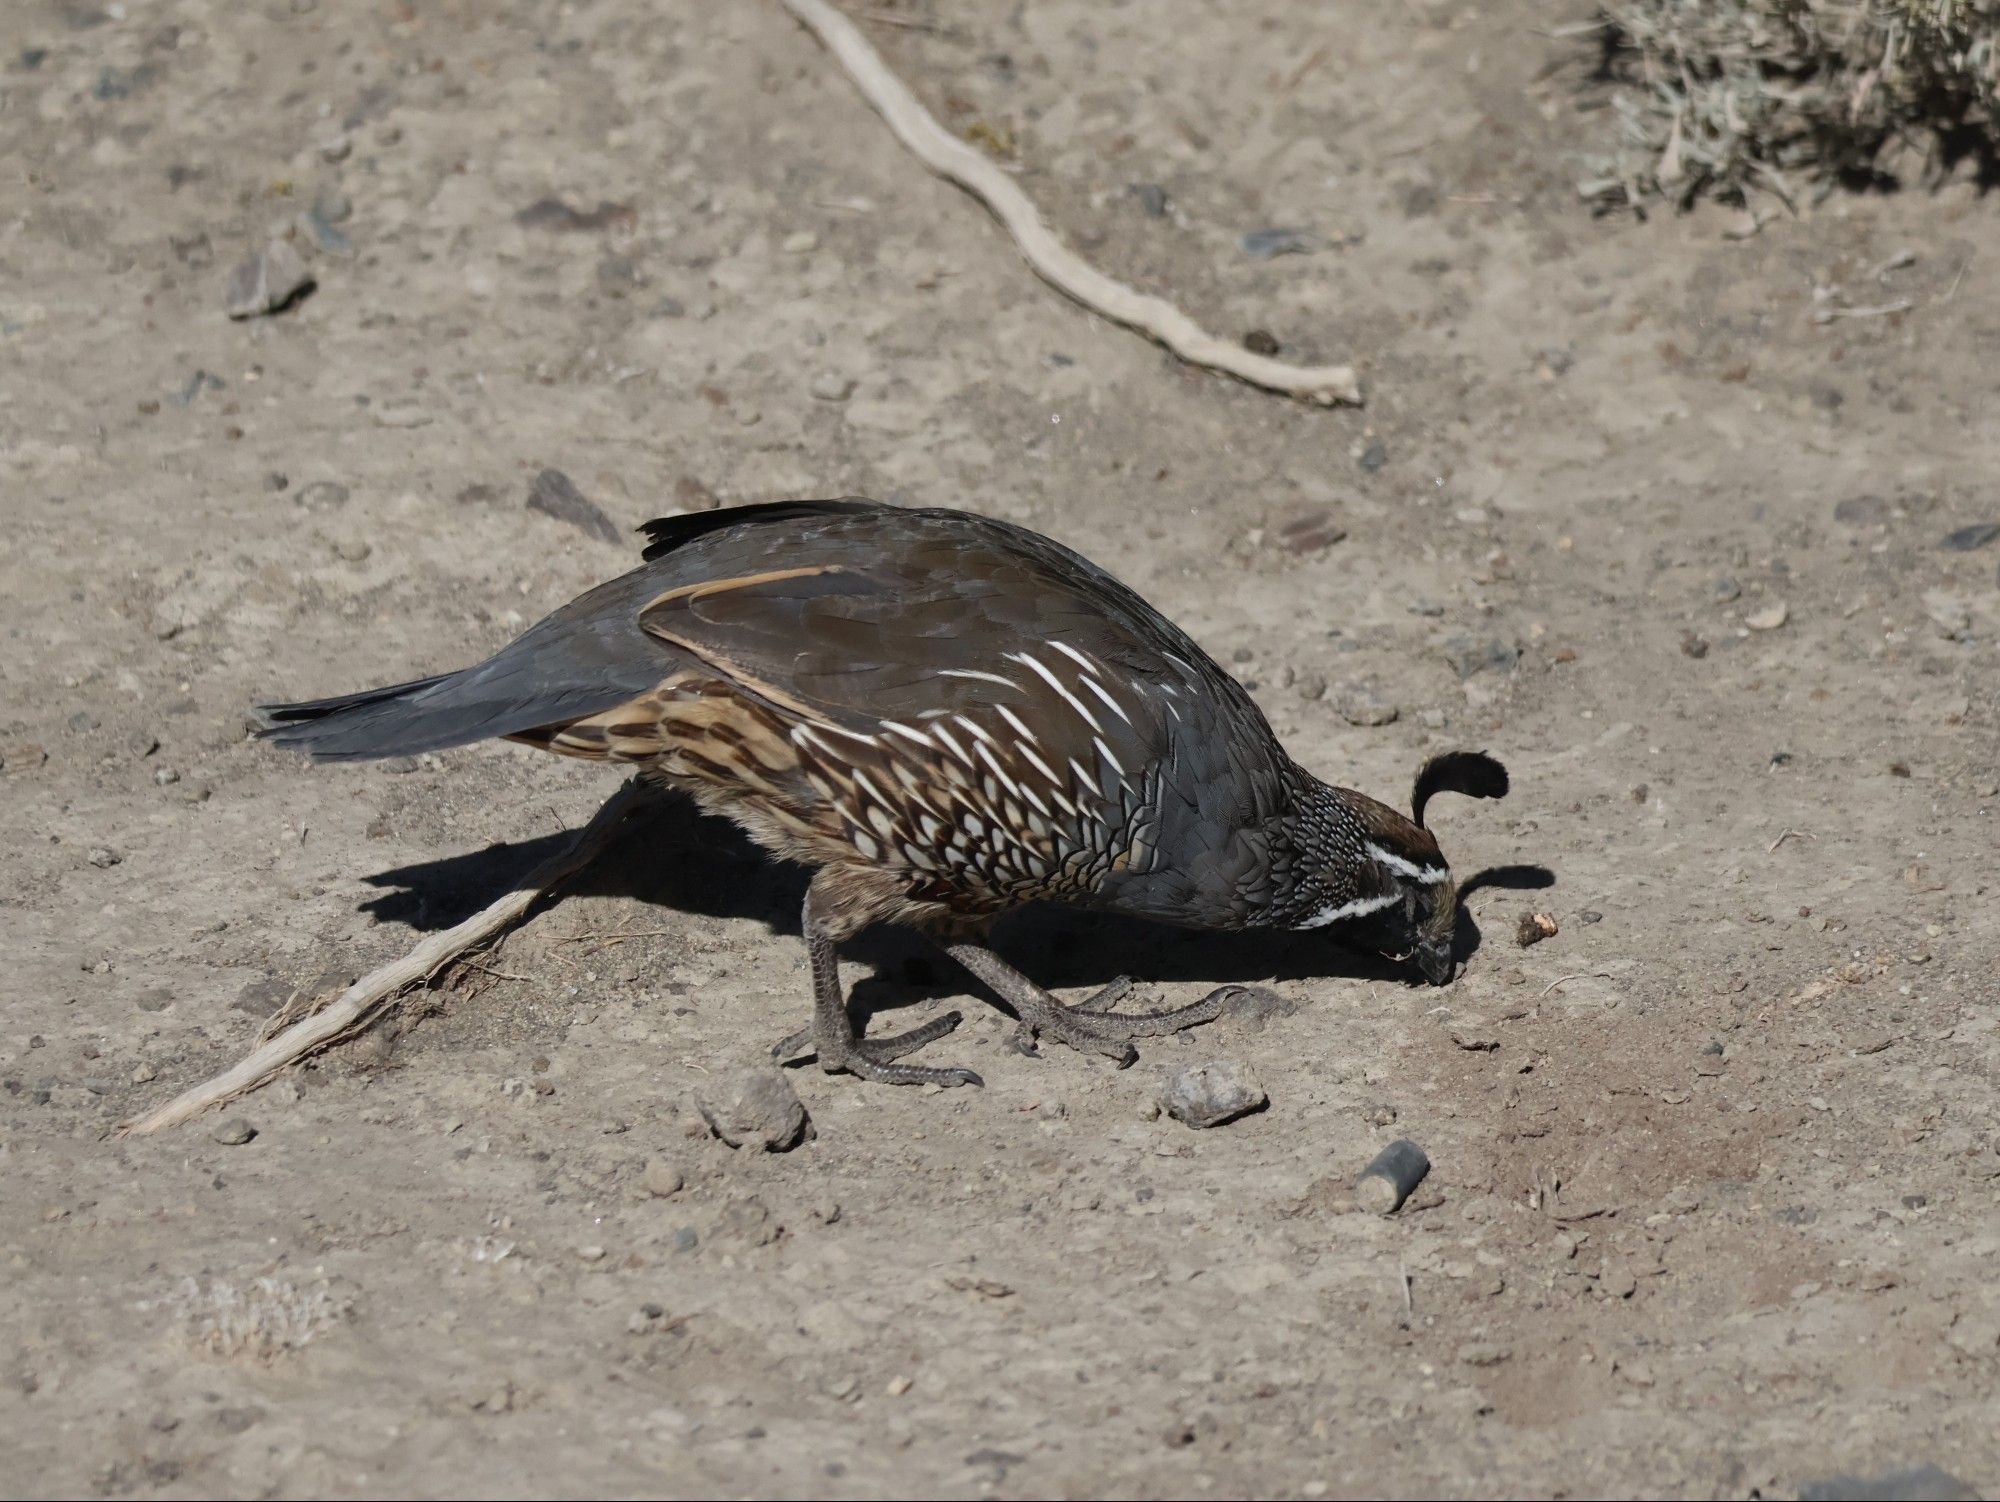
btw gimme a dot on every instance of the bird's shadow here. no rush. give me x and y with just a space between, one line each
690 862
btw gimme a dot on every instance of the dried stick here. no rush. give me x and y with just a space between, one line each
354 1005
954 160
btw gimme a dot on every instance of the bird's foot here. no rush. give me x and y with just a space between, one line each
1090 1026
874 1058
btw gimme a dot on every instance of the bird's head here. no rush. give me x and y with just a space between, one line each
1399 877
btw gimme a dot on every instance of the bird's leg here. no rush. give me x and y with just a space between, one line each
832 1032
1084 1026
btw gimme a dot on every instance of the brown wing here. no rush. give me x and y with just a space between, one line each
968 706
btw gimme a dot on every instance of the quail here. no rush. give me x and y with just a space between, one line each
946 717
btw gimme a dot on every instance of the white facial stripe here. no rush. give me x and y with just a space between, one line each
1429 876
1354 909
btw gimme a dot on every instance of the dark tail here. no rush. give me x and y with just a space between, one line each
588 657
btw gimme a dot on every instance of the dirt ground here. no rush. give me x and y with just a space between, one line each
1657 512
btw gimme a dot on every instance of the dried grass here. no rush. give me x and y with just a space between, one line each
1793 97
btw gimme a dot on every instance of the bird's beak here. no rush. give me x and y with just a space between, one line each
1435 960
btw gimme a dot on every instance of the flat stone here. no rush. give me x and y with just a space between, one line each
234 1132
1967 539
269 282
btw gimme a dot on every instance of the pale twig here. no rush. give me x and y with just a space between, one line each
1580 975
1883 310
1784 835
958 162
358 1002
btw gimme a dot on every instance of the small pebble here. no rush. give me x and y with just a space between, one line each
1770 618
661 1179
321 495
104 858
590 1253
1469 655
829 386
1261 342
1152 198
269 282
800 242
332 142
1209 1094
1373 457
1309 531
234 1132
1263 244
1966 539
754 1107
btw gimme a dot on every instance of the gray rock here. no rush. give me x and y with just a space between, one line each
1152 198
754 1108
1475 654
1363 704
554 494
1207 1095
234 1132
269 282
1263 244
1967 539
1374 457
830 386
1254 1006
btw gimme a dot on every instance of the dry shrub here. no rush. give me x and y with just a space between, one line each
1724 97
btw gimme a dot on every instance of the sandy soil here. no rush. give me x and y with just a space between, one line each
1713 1211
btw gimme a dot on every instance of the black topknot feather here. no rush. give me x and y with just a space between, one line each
1473 773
